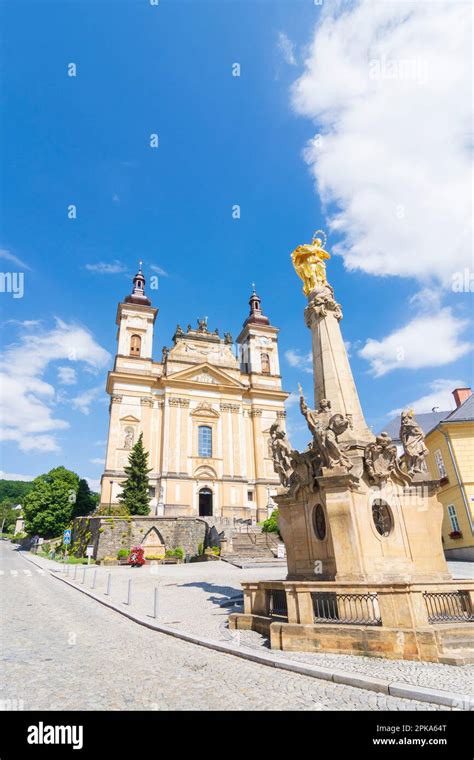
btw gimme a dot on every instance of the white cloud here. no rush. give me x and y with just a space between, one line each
4 254
389 88
14 476
97 460
103 267
300 361
84 401
26 400
287 48
158 270
94 484
440 396
429 340
67 375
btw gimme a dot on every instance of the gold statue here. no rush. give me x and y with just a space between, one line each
309 262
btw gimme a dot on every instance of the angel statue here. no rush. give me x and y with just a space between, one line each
309 263
413 441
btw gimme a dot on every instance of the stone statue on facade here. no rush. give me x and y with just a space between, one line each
228 340
380 458
413 442
281 454
129 436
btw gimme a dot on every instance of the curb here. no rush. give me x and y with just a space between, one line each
349 678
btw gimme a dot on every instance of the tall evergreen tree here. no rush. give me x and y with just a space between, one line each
135 489
86 500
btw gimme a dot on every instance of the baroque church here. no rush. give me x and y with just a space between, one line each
205 411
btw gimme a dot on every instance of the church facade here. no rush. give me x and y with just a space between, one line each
205 411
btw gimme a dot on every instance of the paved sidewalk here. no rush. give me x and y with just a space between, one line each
190 599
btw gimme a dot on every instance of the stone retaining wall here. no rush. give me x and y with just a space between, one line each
109 534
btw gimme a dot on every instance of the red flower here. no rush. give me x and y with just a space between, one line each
136 557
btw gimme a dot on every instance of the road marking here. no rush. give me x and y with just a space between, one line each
13 572
39 570
27 572
2 572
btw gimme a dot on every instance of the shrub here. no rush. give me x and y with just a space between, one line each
179 553
200 549
122 554
271 525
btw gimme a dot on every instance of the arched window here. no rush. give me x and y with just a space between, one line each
135 345
265 364
205 441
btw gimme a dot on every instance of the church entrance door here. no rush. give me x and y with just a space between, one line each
205 502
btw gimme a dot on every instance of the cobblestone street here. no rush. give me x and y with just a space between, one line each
62 650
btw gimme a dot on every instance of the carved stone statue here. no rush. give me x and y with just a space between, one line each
326 429
281 453
202 325
179 330
309 263
164 354
380 458
303 472
321 302
128 440
413 441
228 340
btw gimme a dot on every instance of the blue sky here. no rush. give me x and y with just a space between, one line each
224 140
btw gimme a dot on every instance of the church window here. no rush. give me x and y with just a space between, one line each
265 364
205 441
135 345
249 495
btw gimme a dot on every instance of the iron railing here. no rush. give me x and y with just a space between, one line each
448 606
278 607
355 609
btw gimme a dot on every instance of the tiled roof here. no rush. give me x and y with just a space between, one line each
465 412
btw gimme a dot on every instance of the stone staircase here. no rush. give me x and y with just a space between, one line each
253 548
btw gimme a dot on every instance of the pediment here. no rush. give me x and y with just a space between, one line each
206 374
129 418
204 410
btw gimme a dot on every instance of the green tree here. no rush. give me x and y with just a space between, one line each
135 489
271 524
86 500
8 515
48 507
14 490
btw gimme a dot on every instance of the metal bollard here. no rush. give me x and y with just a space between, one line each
129 592
75 573
83 575
94 578
155 603
109 580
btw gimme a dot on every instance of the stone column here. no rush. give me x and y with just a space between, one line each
333 378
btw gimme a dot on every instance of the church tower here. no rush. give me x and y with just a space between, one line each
135 320
258 347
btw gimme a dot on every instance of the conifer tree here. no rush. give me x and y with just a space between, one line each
135 489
